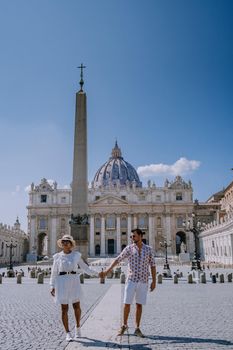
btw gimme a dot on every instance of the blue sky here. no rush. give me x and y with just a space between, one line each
159 78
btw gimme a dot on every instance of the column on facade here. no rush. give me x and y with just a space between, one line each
168 231
33 247
102 236
52 240
118 227
135 221
129 228
92 236
151 231
231 248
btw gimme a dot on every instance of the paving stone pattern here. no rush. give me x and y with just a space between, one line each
29 319
184 316
177 317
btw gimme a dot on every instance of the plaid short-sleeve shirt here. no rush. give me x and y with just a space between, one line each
138 264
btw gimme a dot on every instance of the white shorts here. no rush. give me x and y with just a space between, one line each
137 290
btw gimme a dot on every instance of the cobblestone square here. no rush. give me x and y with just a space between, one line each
182 316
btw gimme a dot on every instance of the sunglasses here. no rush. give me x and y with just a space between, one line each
65 241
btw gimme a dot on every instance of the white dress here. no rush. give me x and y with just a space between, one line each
68 287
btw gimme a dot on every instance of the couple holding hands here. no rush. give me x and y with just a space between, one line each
66 288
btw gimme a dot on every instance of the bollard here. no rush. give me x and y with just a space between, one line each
216 274
203 278
229 277
122 278
0 279
32 274
190 278
81 278
221 278
19 278
160 279
175 279
214 280
40 278
110 274
181 274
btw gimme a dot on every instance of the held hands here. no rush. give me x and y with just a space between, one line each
102 274
152 286
52 292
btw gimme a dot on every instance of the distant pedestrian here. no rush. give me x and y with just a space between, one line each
65 282
140 257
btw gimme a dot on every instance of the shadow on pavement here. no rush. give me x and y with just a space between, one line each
158 340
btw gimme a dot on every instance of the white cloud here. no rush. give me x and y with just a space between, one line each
17 190
27 188
182 166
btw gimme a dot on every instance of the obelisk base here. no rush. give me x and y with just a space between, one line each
80 233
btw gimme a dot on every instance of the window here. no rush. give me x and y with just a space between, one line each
180 221
123 197
142 197
142 222
179 196
97 233
97 197
42 223
63 199
159 221
158 198
123 233
110 222
43 198
97 223
123 222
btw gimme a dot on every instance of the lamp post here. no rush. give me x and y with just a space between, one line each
166 267
195 226
11 246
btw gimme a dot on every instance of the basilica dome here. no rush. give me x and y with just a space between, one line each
116 171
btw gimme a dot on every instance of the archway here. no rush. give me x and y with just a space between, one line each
180 238
110 246
42 247
97 249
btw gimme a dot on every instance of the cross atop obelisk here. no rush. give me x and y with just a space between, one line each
81 76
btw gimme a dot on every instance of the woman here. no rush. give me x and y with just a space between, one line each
65 283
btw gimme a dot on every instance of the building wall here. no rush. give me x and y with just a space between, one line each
18 238
216 240
114 211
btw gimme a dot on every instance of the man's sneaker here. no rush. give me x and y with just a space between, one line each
138 333
77 333
68 337
122 330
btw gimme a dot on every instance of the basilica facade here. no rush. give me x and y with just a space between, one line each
117 203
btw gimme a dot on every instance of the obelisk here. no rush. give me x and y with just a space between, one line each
79 218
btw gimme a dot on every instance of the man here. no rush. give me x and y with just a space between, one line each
140 257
